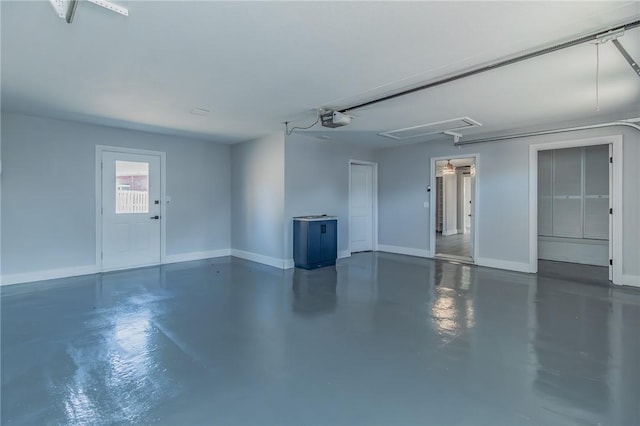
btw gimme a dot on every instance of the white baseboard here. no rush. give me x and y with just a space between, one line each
405 250
289 263
448 233
344 253
52 274
48 274
196 255
265 260
631 280
503 264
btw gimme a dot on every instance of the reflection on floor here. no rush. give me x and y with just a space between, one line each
454 245
377 339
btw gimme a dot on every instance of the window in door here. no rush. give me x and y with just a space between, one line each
132 187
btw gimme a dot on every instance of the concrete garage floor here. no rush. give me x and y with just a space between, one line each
379 339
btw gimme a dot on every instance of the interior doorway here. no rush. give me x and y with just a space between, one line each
453 217
575 204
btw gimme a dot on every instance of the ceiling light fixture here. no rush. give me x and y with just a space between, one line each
448 169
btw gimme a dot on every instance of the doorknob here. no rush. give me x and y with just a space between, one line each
155 217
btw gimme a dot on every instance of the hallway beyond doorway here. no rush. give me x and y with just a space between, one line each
454 245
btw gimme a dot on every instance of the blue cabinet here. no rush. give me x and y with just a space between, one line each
315 241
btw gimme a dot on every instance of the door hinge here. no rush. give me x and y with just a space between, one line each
611 160
610 211
611 262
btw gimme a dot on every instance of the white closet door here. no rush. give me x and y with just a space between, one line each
361 207
567 188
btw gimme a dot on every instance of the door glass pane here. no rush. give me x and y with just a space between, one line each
132 187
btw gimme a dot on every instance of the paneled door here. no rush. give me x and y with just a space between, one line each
130 210
361 207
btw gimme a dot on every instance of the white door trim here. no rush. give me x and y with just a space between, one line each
374 188
432 204
100 149
615 196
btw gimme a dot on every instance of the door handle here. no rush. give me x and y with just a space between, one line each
155 217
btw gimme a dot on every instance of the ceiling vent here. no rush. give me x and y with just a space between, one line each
431 128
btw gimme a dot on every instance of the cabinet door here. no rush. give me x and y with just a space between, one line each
328 243
314 242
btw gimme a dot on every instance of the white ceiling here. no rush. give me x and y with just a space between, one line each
255 65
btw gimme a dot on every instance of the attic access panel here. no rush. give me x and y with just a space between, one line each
431 128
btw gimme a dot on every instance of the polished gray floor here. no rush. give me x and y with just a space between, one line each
454 245
378 339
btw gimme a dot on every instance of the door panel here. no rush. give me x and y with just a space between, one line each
361 194
329 246
314 249
130 203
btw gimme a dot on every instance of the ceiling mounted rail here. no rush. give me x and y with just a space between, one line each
581 40
627 123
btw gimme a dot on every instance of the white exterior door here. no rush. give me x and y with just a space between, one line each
361 203
130 210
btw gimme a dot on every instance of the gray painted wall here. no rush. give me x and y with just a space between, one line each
502 197
257 196
403 177
317 182
48 191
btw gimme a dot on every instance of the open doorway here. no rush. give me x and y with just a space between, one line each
454 206
575 205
